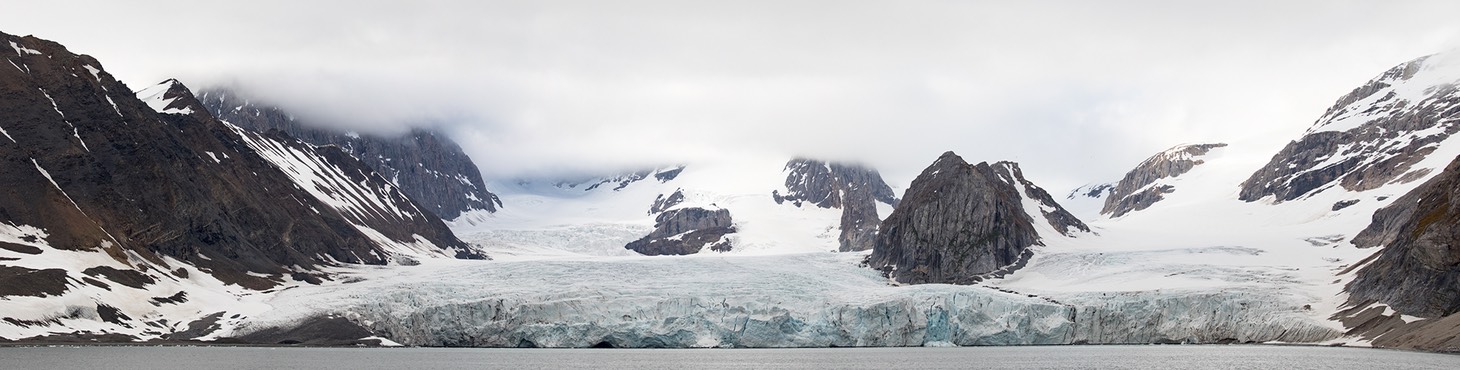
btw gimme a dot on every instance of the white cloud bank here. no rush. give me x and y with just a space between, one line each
1077 91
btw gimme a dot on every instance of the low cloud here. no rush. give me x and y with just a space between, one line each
1077 91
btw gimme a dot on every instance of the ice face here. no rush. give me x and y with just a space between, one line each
802 300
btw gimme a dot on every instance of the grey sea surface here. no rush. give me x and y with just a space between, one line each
1033 357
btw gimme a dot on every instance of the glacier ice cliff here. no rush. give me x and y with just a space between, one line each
813 300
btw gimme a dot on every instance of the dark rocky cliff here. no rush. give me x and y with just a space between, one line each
853 188
1417 273
426 164
1373 136
1138 189
1052 212
956 223
686 231
98 169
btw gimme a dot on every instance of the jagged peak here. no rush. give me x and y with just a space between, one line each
1142 186
171 97
949 158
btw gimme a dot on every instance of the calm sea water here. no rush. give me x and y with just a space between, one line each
1045 357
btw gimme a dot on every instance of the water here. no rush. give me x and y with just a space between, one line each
1045 357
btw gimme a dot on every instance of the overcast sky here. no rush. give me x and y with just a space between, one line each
1077 91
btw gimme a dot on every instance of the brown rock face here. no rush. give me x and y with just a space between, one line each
96 168
1416 273
853 188
426 164
957 223
686 231
1135 192
1370 137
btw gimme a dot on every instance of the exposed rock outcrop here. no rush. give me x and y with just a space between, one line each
426 164
1416 272
362 196
1373 136
96 168
957 223
687 230
853 188
1407 295
662 203
1142 186
1055 215
1099 191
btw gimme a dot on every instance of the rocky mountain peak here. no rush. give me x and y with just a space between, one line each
1415 271
1143 185
172 97
958 223
1375 135
426 164
851 187
106 200
1054 214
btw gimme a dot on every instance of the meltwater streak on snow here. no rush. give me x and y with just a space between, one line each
17 67
74 131
53 183
7 135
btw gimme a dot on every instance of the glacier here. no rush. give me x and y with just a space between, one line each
799 300
1173 273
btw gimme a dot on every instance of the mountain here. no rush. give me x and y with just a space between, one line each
735 207
1144 185
122 219
1380 133
959 223
426 164
1196 265
1414 273
682 231
853 188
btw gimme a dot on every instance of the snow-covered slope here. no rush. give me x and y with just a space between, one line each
373 205
1086 200
93 296
426 164
620 204
1151 180
123 219
1393 130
